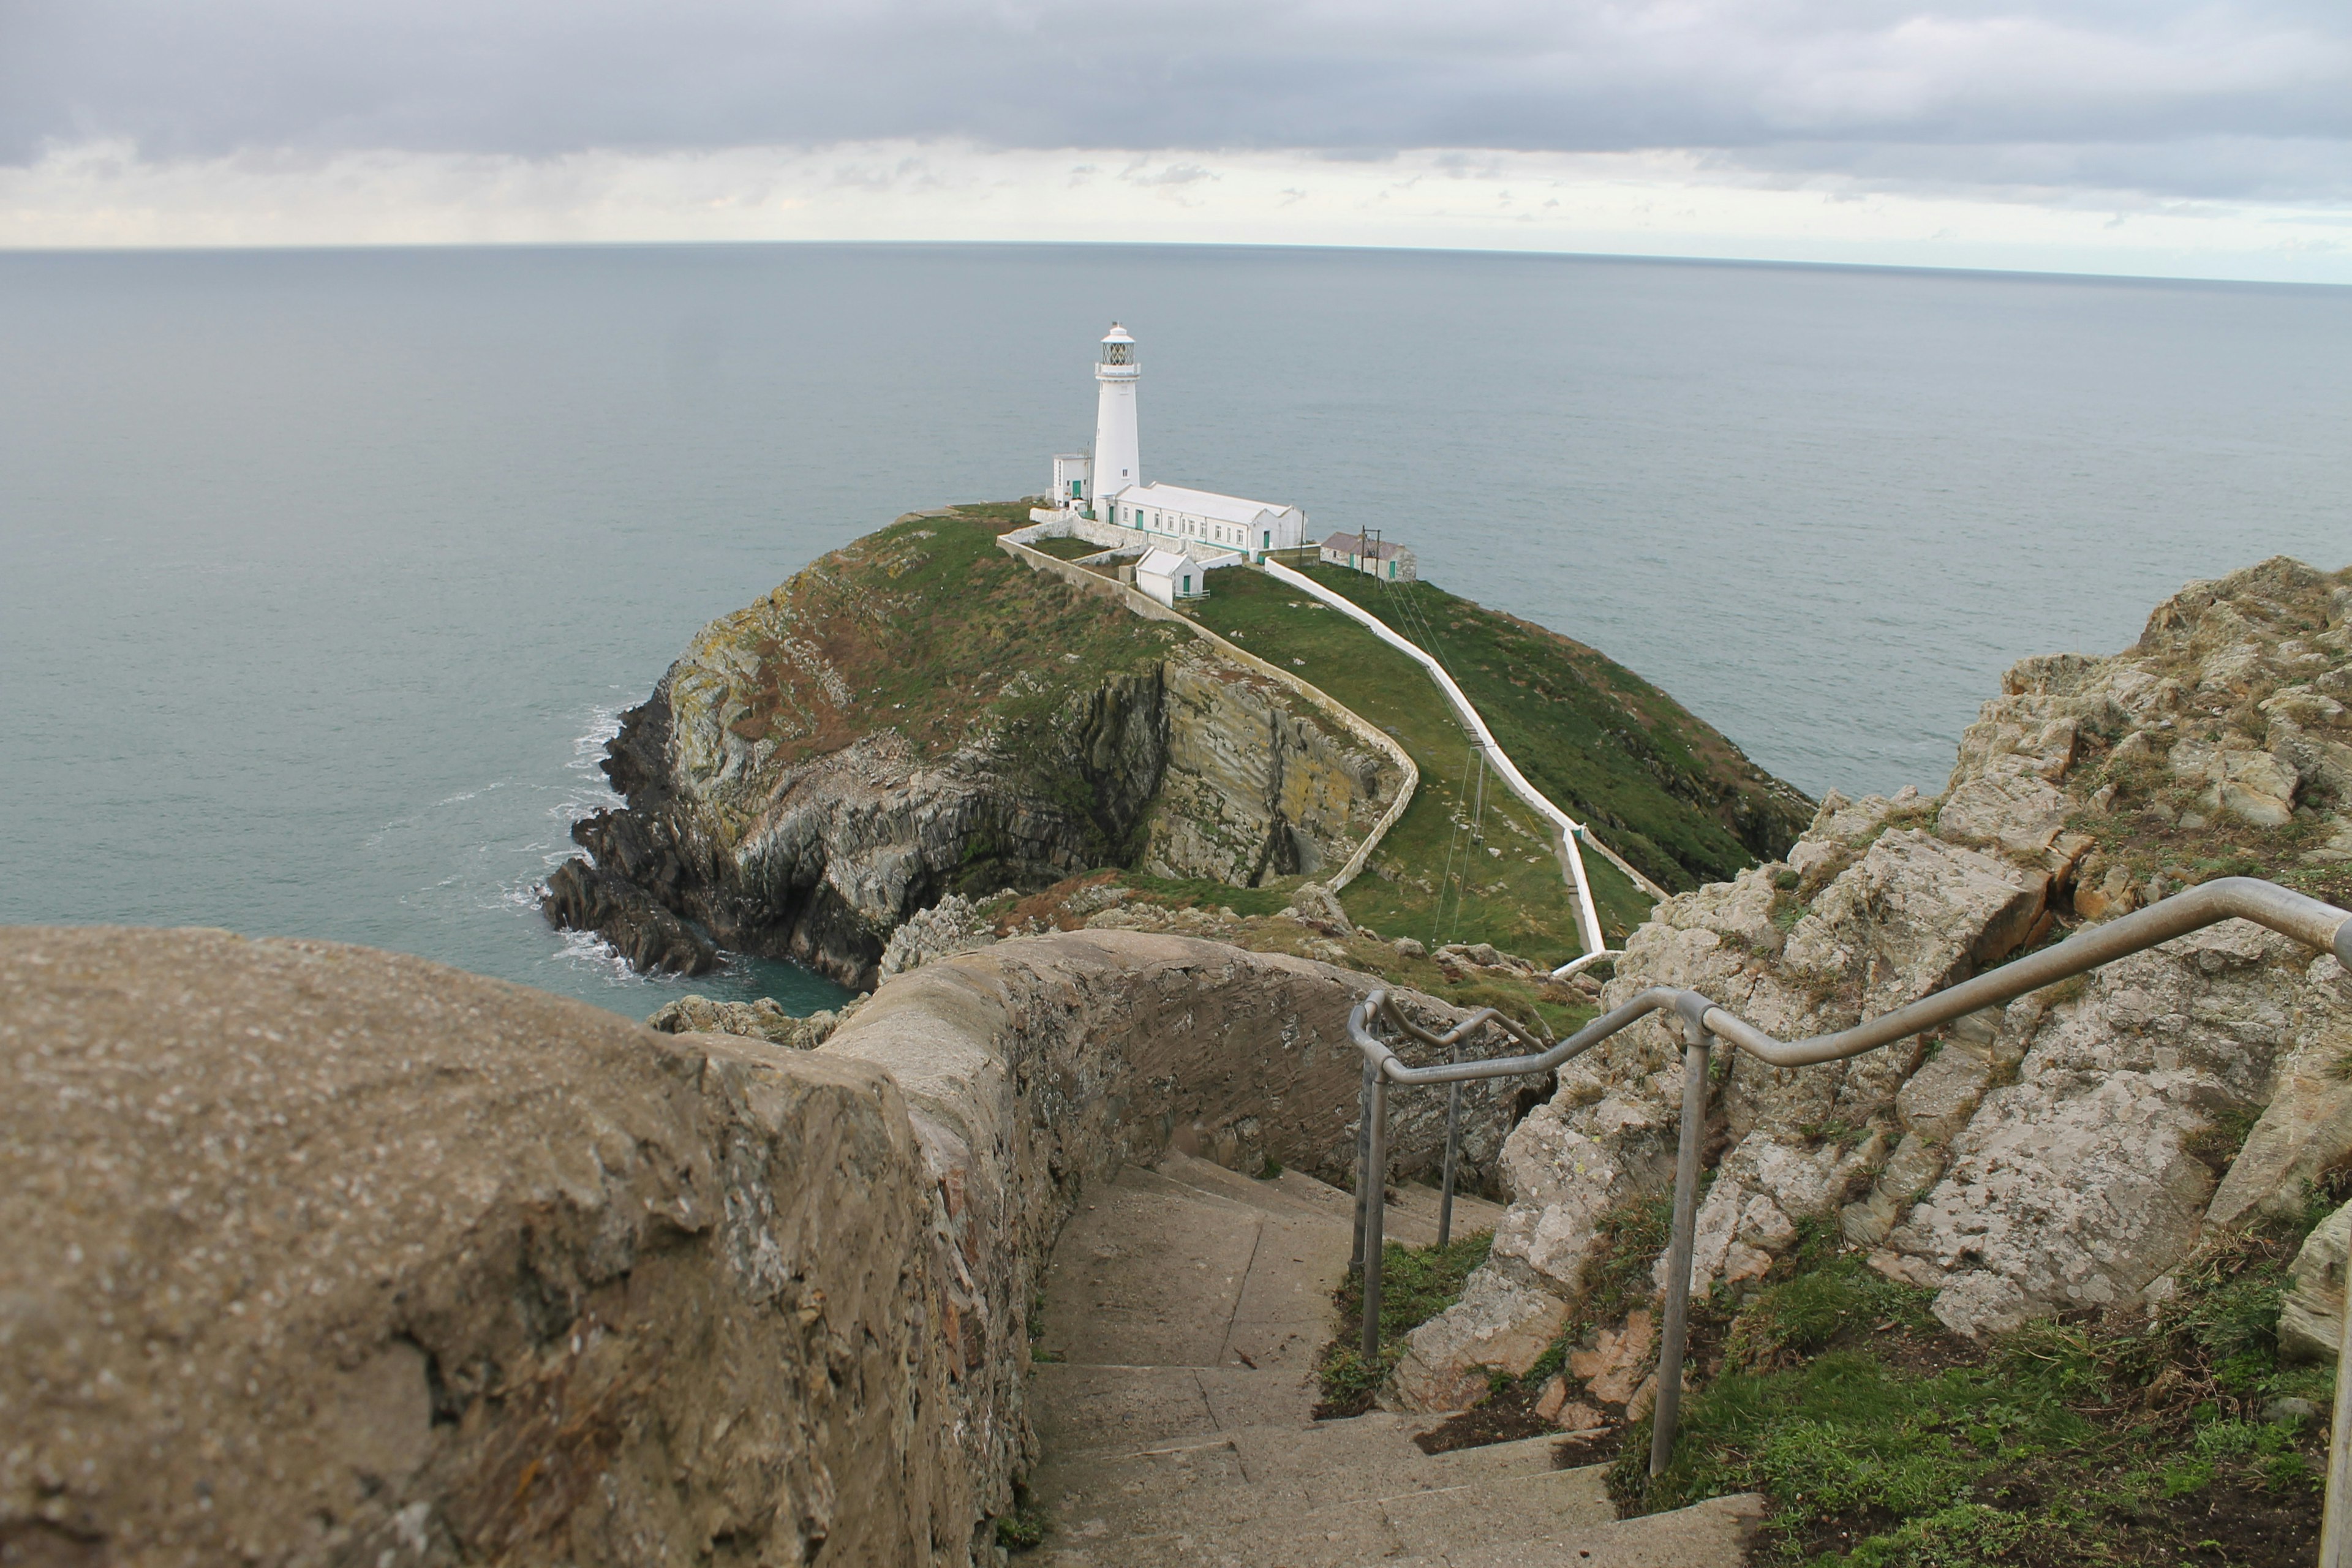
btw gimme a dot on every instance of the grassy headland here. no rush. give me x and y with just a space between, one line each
940 635
1660 786
1514 894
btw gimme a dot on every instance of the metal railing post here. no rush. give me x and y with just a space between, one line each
1453 1143
1667 1407
1363 1161
1374 1181
2336 1529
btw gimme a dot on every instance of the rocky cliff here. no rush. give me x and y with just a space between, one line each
2065 1151
916 715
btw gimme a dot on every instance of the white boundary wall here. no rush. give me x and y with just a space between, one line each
1569 829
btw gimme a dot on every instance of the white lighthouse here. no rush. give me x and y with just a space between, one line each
1101 497
1118 455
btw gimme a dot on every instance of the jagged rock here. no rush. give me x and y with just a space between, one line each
1613 1369
2088 1176
2250 784
1913 916
2306 1128
1315 905
1406 947
2085 1181
952 925
764 1019
582 897
773 801
2311 1317
1499 1322
2007 804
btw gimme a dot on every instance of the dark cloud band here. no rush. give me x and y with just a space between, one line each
2165 97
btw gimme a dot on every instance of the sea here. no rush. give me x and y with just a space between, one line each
325 575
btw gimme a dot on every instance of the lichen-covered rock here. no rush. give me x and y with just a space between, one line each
763 1019
2311 1319
2065 1151
2087 1178
952 925
2305 1130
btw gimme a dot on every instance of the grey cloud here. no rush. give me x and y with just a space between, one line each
2165 97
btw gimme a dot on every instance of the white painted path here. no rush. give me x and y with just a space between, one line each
1571 831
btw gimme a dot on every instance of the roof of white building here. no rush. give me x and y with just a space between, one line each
1356 545
1162 562
1200 503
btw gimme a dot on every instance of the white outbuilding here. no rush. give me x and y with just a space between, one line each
1168 575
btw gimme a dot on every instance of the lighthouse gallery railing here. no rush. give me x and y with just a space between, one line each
1701 1023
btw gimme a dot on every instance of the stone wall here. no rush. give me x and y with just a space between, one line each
319 1255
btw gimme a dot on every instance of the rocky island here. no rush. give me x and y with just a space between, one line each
917 717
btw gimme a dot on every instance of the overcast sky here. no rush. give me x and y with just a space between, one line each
2127 135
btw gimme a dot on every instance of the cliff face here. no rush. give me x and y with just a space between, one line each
2065 1151
916 715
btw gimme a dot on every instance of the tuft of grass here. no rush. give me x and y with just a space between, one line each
1877 1440
1805 1314
1416 1284
1617 1277
1024 1528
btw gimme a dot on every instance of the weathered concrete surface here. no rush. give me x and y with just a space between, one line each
318 1253
1183 1310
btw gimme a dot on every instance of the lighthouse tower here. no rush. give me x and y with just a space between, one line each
1118 456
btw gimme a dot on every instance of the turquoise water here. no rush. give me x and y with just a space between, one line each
323 575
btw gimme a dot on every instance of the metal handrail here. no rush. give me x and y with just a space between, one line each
2292 914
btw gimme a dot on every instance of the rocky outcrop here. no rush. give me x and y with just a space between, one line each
324 1256
764 1019
2065 1151
866 739
2311 1319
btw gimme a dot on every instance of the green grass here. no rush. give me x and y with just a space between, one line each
1416 1284
1518 899
1660 788
1877 1440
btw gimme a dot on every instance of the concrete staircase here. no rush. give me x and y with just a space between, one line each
1175 1393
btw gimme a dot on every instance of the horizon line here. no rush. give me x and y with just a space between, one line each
1532 254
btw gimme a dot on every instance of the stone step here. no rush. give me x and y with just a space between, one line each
1174 1406
1429 1523
1711 1534
1204 1479
1289 1194
1411 1216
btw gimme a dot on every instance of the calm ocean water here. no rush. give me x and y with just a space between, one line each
323 575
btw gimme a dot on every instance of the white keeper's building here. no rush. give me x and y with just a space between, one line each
1102 498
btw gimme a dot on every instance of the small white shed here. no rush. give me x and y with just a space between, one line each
1169 576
